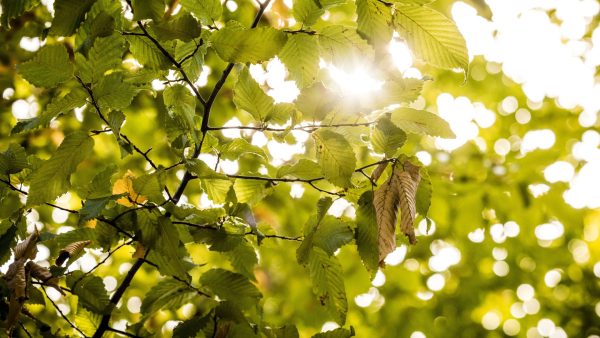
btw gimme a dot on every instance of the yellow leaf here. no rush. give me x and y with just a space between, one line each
124 185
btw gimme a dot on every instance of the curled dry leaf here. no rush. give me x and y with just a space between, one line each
397 193
71 250
16 278
409 181
43 274
386 201
27 249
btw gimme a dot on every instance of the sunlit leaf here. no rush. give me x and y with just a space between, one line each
335 156
431 36
250 45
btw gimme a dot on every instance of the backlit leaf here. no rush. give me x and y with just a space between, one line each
249 45
335 156
328 284
432 36
52 178
421 122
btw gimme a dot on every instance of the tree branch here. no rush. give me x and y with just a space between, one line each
114 300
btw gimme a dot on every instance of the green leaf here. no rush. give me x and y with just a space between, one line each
239 146
13 160
94 207
168 294
337 333
112 93
150 185
398 90
173 264
248 95
316 101
202 170
231 286
181 105
424 191
49 67
250 45
300 55
367 232
386 138
207 11
100 186
52 178
216 189
87 321
148 9
243 259
147 53
60 105
342 46
307 11
431 36
68 15
105 54
116 118
8 239
183 27
303 169
421 122
332 234
328 283
412 2
250 191
191 57
90 290
192 327
336 157
14 8
374 21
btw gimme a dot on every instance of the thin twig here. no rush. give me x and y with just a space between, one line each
62 314
307 128
112 329
25 329
12 187
101 262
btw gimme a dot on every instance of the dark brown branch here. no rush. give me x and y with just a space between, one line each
62 314
114 300
122 332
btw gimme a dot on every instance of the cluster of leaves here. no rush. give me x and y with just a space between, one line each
98 57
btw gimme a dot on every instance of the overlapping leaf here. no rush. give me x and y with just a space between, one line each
52 178
48 67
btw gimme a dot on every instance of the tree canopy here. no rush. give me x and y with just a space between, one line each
311 168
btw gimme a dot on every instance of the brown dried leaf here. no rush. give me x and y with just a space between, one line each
27 249
14 310
378 171
386 201
38 272
71 250
16 279
408 181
